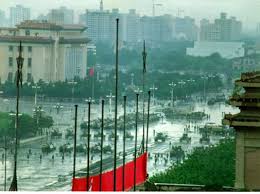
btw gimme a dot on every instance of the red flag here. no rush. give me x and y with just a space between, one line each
91 72
79 184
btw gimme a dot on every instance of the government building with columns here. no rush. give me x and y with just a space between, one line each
51 52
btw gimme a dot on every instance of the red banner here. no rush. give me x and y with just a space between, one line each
79 184
91 72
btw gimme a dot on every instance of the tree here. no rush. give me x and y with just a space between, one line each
212 166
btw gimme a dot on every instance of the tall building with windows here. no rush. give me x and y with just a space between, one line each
223 29
19 14
3 19
185 28
157 29
61 16
102 25
132 27
51 52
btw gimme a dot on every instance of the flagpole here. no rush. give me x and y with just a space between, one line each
144 71
89 104
116 99
101 156
148 119
136 128
19 81
124 144
75 142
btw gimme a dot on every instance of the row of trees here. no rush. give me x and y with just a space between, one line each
212 166
28 126
83 89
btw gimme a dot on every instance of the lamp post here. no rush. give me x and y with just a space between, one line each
172 85
38 113
36 87
153 89
132 79
73 83
19 82
182 83
110 97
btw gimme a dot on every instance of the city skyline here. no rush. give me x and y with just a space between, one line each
202 8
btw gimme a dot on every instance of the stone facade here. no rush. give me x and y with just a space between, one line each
49 51
247 125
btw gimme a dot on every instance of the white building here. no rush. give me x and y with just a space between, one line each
228 50
19 14
51 52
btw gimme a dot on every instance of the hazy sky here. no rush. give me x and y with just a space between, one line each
245 10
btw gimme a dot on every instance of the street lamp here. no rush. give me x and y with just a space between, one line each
73 83
36 87
153 89
132 79
38 113
58 106
172 85
110 97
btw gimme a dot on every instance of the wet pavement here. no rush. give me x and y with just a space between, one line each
48 174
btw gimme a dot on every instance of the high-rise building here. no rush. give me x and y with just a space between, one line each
102 25
185 28
223 29
3 19
132 27
19 14
157 29
209 31
51 52
61 16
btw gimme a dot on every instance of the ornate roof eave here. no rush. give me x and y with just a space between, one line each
244 104
233 123
247 84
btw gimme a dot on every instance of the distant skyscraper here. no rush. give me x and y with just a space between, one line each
185 28
223 29
3 20
19 14
61 16
157 29
132 26
101 25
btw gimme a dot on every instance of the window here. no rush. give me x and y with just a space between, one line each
10 61
29 49
11 48
29 62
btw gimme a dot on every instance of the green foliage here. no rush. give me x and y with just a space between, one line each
205 166
27 126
